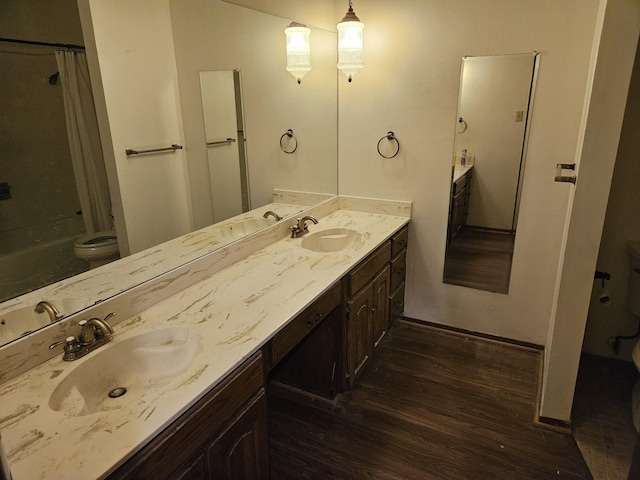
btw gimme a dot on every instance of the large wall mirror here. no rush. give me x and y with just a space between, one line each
494 110
212 54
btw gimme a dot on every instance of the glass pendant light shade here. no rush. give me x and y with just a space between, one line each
298 50
350 44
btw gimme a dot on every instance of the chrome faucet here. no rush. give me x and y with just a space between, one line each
44 306
93 334
275 215
301 228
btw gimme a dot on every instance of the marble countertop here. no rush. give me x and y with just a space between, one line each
235 311
92 286
459 171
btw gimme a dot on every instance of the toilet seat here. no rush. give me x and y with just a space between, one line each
97 245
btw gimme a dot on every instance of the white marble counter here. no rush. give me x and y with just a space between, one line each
459 171
97 285
235 311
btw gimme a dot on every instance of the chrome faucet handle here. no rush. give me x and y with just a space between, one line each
295 229
94 329
71 347
69 339
87 333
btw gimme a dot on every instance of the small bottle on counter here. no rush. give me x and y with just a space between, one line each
463 157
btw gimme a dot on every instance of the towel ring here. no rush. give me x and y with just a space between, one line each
391 137
464 125
288 133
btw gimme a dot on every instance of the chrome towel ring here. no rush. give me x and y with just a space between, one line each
289 134
392 138
462 125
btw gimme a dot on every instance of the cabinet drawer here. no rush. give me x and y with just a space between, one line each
399 241
363 273
300 327
398 270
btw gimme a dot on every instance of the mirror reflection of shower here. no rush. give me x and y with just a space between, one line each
494 108
41 217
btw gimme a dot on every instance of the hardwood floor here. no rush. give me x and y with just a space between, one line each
431 405
480 259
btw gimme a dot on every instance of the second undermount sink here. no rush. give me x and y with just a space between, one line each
120 373
331 240
245 227
24 320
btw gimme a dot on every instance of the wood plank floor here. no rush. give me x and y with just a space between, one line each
480 259
431 405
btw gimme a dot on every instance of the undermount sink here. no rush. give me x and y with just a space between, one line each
24 320
242 228
331 240
123 372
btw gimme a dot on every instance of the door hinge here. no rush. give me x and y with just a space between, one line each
565 178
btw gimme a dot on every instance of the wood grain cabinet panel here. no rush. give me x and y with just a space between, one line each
178 451
303 324
239 453
380 307
359 331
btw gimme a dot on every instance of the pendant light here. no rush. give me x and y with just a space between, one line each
298 50
350 43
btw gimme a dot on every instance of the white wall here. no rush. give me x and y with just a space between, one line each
410 85
214 35
621 225
494 89
139 104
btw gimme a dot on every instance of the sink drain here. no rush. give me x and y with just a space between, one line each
117 392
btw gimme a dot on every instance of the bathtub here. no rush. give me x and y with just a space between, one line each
39 255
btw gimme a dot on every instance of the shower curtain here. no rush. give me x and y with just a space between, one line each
84 141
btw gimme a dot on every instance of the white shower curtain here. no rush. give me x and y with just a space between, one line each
84 141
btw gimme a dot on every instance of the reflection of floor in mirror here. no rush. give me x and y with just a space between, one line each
601 416
481 259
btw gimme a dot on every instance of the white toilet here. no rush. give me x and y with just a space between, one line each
634 306
97 248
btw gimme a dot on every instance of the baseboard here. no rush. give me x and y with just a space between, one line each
547 423
484 336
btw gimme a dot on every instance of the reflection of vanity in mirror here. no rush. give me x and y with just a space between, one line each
264 177
494 109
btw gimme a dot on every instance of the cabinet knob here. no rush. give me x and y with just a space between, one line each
318 316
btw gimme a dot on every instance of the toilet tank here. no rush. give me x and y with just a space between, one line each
634 278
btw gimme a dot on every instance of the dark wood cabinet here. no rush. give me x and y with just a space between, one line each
459 205
322 351
224 435
367 300
241 449
309 353
399 244
380 306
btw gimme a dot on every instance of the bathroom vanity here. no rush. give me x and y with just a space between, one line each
460 196
306 313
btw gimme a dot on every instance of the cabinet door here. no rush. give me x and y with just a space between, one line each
359 331
241 450
196 470
380 306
